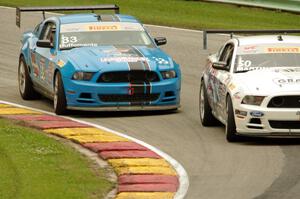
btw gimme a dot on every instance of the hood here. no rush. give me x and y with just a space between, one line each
119 58
269 80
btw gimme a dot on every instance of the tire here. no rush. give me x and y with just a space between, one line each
59 99
230 127
206 116
26 89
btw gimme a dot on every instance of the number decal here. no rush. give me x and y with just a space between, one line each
245 63
66 40
73 39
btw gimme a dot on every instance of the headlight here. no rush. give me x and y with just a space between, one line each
83 76
253 100
168 74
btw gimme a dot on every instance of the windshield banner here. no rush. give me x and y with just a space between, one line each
100 26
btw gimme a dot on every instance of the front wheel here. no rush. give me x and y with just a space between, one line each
59 99
230 127
206 116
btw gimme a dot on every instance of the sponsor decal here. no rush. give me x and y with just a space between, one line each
36 69
231 86
161 60
60 63
43 68
249 49
101 26
283 50
33 60
257 114
287 81
130 91
50 73
124 59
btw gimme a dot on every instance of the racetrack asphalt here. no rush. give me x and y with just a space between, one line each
263 168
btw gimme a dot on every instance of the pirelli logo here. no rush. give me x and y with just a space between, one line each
103 28
284 50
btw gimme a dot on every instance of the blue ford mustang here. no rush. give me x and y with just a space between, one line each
96 62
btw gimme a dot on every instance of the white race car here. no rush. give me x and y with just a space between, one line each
252 86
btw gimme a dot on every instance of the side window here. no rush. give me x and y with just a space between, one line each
48 32
227 54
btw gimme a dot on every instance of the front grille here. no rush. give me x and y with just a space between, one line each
292 101
129 98
278 124
128 76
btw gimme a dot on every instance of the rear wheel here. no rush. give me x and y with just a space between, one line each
25 84
59 99
230 127
206 116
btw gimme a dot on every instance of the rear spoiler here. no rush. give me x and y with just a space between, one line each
232 32
19 10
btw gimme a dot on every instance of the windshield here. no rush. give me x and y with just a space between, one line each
264 57
103 33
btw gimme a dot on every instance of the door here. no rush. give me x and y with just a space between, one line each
45 58
219 80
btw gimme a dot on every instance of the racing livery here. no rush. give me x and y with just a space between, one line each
97 62
252 86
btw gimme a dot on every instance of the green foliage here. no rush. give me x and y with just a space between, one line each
187 14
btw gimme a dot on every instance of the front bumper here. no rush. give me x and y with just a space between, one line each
83 95
270 122
124 108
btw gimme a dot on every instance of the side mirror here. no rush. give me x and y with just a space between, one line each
44 44
160 41
220 65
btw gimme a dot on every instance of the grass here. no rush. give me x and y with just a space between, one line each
34 166
187 14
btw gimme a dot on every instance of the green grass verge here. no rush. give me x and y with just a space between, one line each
34 166
187 14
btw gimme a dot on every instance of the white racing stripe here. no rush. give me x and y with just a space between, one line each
183 177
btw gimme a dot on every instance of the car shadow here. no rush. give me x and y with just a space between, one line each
267 141
114 114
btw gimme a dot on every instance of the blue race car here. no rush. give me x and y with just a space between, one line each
96 62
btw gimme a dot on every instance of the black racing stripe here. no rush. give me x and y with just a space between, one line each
107 18
138 87
147 67
131 51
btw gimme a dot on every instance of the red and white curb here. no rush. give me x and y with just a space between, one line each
144 172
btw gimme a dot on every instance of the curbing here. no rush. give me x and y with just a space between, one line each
143 171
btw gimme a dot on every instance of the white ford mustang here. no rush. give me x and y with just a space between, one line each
252 86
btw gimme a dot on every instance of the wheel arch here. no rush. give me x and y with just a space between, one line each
25 60
54 76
